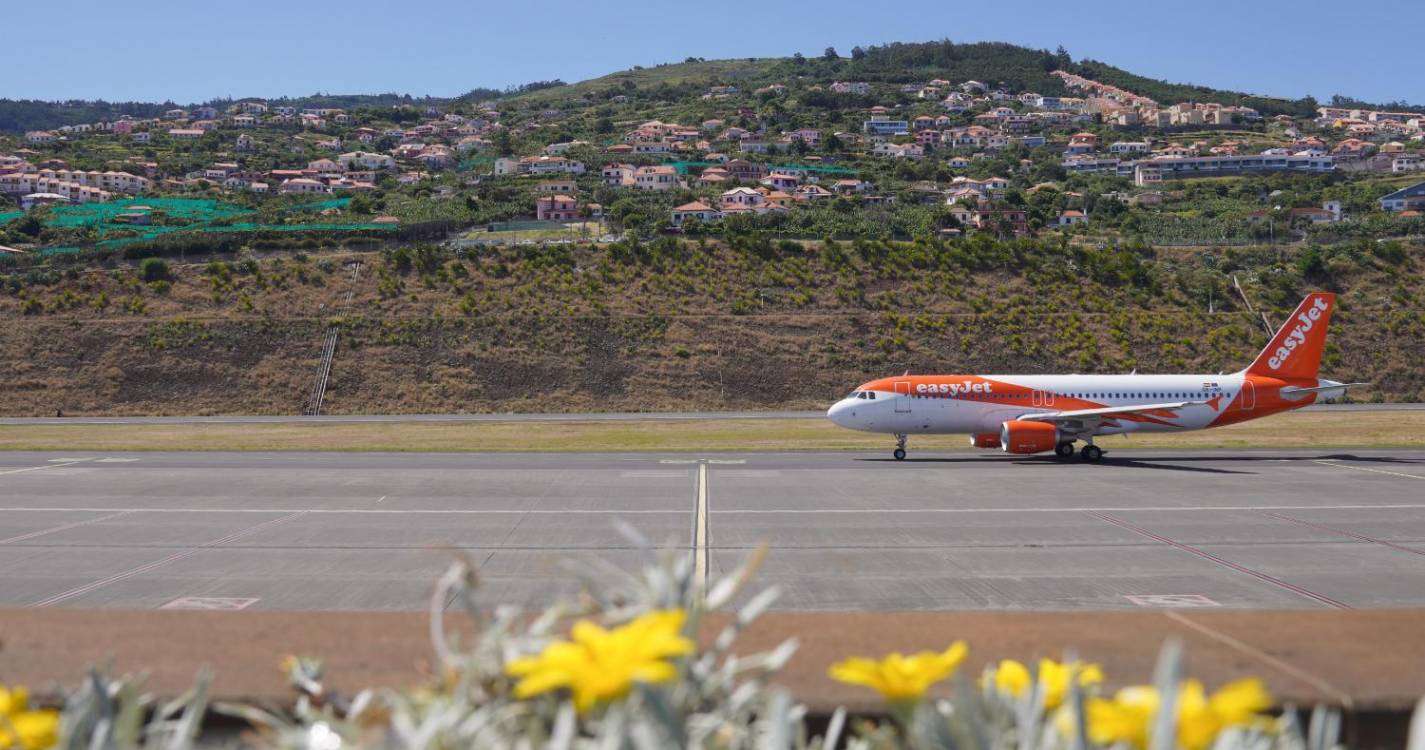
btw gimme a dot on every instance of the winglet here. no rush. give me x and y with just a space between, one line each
1295 351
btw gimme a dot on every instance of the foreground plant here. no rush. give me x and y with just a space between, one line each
1129 717
23 727
600 665
622 666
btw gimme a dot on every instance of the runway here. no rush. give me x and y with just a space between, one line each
847 531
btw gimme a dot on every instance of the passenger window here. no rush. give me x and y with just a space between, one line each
872 395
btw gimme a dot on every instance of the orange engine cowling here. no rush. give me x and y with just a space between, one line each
1018 436
984 440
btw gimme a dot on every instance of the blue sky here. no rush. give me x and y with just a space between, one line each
189 51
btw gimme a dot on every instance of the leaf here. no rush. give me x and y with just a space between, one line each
759 604
834 727
1416 739
1166 677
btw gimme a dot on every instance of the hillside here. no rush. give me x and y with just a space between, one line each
672 325
1018 68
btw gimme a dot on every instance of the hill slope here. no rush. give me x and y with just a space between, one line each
1019 68
671 325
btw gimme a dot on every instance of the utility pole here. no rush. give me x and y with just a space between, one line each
1267 324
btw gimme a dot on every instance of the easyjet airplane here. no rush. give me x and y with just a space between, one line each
1041 413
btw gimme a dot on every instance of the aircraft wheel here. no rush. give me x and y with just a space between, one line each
899 454
1091 453
1064 450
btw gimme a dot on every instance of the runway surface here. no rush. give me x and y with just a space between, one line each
552 417
848 531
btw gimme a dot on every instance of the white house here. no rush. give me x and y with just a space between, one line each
656 178
695 211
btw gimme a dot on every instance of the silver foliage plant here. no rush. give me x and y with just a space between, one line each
719 699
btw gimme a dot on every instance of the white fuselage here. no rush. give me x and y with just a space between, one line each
973 404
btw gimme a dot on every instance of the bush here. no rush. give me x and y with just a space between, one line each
632 674
154 269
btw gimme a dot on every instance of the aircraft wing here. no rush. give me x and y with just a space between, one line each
1164 410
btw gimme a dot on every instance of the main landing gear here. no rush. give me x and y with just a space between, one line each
899 452
1090 453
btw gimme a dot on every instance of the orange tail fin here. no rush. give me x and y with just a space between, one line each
1295 352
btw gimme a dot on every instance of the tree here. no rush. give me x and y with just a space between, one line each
798 59
830 54
502 142
153 269
857 53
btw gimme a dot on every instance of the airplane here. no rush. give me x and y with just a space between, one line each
1027 414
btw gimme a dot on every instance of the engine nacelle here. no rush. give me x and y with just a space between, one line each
1019 436
984 440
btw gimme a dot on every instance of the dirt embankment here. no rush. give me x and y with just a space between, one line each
495 336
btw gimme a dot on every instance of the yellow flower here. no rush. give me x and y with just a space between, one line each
900 678
23 728
1128 716
13 700
1012 678
599 665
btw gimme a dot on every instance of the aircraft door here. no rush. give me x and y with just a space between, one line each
903 396
1248 401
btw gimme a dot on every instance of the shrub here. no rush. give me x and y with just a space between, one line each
630 673
154 269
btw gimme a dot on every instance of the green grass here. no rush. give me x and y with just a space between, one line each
1308 430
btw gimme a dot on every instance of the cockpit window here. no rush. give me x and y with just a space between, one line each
871 395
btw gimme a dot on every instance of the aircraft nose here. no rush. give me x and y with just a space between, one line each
840 412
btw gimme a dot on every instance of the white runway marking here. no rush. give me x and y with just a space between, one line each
211 603
175 557
700 532
1363 468
64 527
730 511
1171 601
1076 509
68 460
42 468
382 499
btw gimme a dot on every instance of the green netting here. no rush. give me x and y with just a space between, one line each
318 227
102 214
475 162
818 168
202 212
155 232
337 203
682 167
10 216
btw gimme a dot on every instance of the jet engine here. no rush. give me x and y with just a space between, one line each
984 440
1020 436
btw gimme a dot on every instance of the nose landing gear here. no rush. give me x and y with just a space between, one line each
899 452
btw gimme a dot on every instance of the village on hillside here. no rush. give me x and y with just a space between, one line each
796 158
